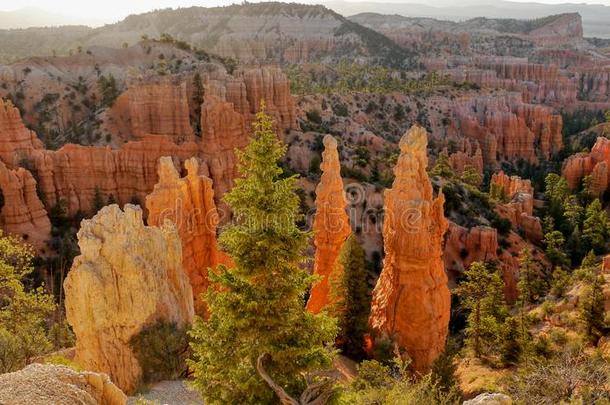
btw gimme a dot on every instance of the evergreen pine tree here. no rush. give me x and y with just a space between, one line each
554 251
531 285
98 200
471 176
198 93
351 302
595 227
441 167
481 294
592 310
257 307
511 342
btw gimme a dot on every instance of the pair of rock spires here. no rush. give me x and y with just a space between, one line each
411 301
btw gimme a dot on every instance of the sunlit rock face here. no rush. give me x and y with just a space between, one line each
331 225
127 277
188 202
411 300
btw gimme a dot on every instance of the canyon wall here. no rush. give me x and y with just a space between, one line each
330 227
411 299
127 277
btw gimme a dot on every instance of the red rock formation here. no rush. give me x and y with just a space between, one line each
411 299
594 84
127 277
160 109
464 246
16 141
22 212
467 155
223 131
595 163
331 225
520 208
188 202
508 129
75 172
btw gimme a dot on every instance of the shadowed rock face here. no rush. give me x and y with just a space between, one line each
331 225
127 277
188 202
411 300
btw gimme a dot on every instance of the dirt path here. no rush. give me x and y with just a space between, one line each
169 392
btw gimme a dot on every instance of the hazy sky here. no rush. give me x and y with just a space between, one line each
116 9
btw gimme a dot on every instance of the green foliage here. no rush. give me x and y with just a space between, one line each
379 384
511 344
98 200
560 282
161 350
607 115
471 176
108 89
23 310
198 94
351 302
591 309
481 292
595 229
349 77
441 167
314 166
554 251
531 284
257 307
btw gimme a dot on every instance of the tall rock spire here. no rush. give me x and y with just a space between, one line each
411 300
331 224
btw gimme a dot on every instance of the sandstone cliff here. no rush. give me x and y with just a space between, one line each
411 299
188 202
331 225
127 277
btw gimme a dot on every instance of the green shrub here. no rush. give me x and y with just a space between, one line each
162 350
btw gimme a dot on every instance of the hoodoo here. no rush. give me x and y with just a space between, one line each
411 300
127 277
331 224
